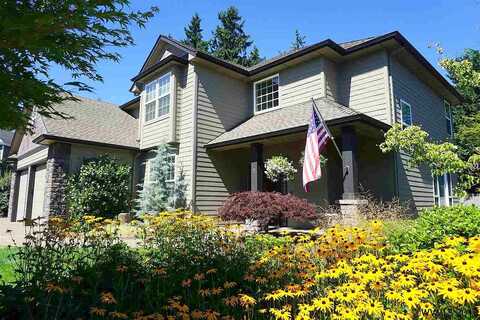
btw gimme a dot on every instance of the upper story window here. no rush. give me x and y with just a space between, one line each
448 118
157 98
406 114
266 93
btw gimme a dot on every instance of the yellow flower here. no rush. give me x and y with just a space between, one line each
247 301
211 315
323 304
107 298
94 311
118 315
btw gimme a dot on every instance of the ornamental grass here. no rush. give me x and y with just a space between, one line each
189 267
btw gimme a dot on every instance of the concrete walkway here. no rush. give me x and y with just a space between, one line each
11 232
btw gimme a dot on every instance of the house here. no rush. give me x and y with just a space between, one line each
5 141
224 120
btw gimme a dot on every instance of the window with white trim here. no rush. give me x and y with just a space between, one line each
406 114
443 190
157 98
266 93
170 161
448 118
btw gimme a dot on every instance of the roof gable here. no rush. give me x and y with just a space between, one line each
163 48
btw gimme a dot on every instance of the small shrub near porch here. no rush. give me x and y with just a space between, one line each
101 187
266 207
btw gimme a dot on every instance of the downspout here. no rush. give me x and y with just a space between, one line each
194 139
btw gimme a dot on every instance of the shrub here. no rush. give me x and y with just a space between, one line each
101 187
4 192
265 207
433 226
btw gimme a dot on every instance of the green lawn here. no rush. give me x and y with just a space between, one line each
6 267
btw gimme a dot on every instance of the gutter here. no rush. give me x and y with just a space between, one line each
333 122
44 137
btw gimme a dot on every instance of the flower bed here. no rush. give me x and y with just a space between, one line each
186 267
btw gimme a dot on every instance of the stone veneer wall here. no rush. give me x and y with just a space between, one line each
57 169
14 184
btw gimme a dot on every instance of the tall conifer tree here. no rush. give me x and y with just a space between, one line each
193 33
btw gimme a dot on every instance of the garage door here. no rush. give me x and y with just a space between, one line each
22 195
38 192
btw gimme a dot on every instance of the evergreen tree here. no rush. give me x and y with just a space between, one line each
254 57
299 41
180 191
230 42
193 33
155 194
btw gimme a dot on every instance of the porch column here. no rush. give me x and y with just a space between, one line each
256 167
57 168
350 165
350 202
14 185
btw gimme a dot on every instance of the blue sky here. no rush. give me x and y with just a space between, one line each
271 24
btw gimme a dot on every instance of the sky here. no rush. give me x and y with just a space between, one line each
454 24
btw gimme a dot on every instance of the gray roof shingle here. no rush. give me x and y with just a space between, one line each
283 119
6 137
94 121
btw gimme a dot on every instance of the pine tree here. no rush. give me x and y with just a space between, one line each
193 33
230 42
299 41
179 200
155 194
254 57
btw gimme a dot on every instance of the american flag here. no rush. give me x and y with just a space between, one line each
317 139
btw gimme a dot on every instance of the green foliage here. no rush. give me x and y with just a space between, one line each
193 34
464 71
432 226
298 42
156 195
279 168
230 42
101 187
6 265
441 158
5 180
74 35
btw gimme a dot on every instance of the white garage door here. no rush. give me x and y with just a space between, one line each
38 192
22 195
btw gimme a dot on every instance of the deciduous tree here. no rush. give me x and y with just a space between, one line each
74 35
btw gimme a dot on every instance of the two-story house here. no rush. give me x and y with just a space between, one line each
224 120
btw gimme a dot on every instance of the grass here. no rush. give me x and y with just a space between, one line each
6 266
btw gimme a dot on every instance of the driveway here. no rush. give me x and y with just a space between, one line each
11 232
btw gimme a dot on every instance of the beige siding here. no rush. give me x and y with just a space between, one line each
302 82
79 153
223 102
363 85
415 184
184 123
330 71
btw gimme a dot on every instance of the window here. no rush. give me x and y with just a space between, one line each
443 190
448 118
406 113
157 98
266 93
170 161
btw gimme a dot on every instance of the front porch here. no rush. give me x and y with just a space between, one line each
362 168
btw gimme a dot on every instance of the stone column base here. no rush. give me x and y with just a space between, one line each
350 211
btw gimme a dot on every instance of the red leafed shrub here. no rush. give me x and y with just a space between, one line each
265 207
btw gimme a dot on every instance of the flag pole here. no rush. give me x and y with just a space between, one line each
328 130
